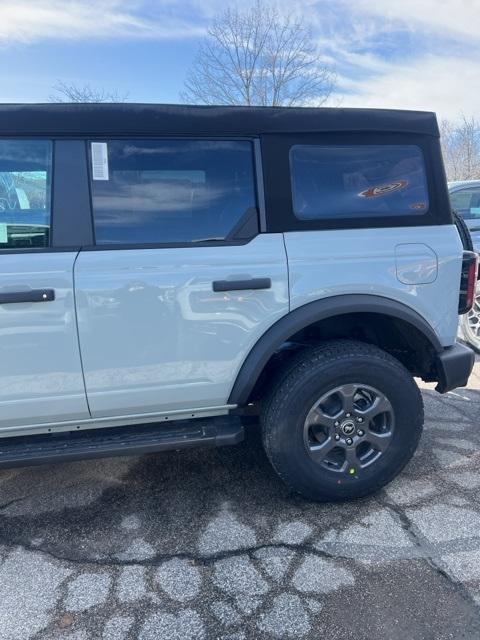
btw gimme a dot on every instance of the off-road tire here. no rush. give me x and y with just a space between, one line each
314 372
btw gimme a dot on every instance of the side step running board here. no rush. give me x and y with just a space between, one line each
22 451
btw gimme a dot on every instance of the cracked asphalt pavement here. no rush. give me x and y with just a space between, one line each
207 544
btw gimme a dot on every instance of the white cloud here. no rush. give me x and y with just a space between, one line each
447 82
27 21
448 86
459 16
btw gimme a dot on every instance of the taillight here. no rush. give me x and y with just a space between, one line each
468 281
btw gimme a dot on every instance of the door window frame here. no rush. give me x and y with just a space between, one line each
71 215
278 182
235 241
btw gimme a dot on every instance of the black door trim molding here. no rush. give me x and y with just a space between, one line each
71 207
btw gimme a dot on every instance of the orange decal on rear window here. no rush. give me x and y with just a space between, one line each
418 205
384 189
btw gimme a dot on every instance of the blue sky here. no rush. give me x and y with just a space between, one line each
412 54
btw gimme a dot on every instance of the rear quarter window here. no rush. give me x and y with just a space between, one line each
358 181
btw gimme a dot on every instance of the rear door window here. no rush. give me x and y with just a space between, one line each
171 191
360 181
25 193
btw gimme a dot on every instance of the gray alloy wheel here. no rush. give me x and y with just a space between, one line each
349 428
470 323
342 421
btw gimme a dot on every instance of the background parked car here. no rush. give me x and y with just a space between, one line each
465 198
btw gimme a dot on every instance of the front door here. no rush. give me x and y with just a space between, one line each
180 284
40 371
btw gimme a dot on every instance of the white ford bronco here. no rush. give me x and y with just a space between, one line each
166 271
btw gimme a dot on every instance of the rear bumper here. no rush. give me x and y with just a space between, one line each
454 366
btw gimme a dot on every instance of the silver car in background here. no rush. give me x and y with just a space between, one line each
465 198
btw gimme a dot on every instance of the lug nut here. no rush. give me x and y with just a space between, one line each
359 419
337 424
349 441
361 433
337 437
348 415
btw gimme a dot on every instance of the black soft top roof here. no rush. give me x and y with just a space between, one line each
164 119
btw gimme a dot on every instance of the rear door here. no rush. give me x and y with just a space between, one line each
40 372
180 283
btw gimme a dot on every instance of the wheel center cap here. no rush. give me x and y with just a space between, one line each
347 427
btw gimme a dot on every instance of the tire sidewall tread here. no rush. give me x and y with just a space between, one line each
281 440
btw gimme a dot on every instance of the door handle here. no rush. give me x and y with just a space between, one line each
32 295
239 285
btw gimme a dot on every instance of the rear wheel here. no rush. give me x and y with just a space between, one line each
343 421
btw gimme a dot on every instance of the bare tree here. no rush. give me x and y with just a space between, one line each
461 148
257 56
65 92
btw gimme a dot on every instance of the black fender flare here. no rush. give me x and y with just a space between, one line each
310 313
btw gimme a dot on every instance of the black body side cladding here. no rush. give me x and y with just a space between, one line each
312 312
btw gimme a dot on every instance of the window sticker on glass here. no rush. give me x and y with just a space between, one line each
99 161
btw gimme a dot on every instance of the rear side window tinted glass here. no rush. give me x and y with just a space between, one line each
171 191
25 193
467 203
357 181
